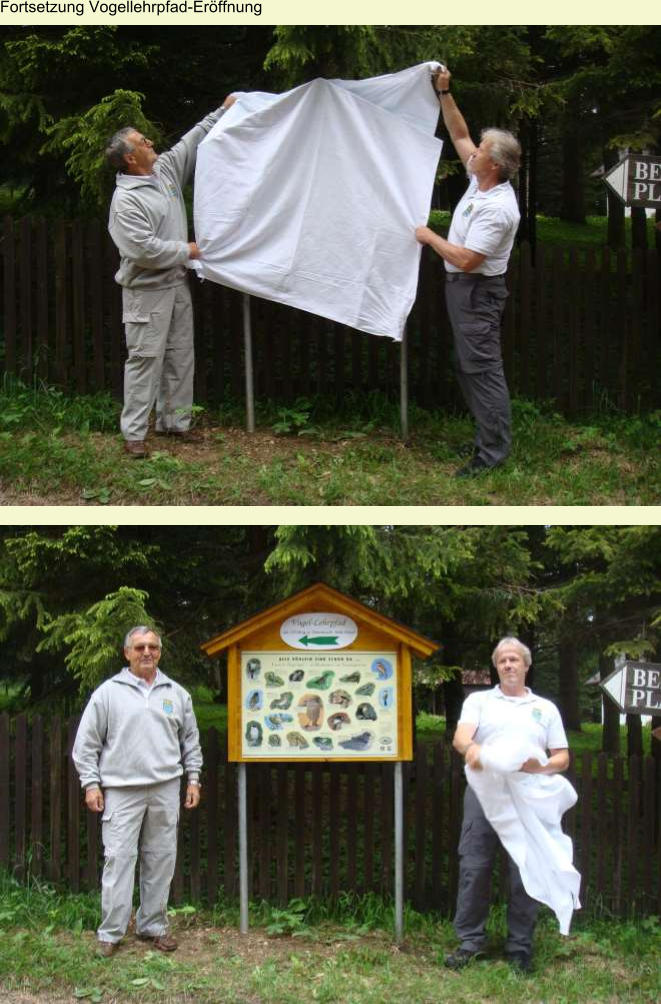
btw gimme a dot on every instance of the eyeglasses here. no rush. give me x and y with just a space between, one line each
143 648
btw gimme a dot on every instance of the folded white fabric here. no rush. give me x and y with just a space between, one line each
311 197
505 755
526 811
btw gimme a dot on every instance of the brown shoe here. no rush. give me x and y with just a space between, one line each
162 942
136 449
105 949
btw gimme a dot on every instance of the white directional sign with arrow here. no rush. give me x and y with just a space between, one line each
317 632
635 687
636 180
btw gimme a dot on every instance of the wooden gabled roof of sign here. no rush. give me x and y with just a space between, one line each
323 598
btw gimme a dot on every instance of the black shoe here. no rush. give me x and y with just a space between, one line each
520 961
473 467
461 958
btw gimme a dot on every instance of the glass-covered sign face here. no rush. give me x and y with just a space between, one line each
330 705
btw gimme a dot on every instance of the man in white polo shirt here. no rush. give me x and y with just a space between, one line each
476 253
510 711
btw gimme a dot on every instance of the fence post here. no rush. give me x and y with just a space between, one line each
4 790
438 815
369 776
42 297
230 791
20 795
9 292
62 311
300 831
73 812
586 824
633 825
421 798
26 296
55 799
318 774
36 813
96 289
212 816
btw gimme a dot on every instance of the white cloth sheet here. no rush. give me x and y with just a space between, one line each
311 197
526 811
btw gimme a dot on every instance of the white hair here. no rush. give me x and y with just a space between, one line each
522 649
141 629
504 150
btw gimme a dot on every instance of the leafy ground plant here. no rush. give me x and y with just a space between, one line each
59 451
345 954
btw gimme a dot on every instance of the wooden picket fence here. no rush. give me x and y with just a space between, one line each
581 328
323 830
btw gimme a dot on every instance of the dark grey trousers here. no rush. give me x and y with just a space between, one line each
478 846
475 306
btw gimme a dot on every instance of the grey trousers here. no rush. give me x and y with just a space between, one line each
478 846
161 359
145 818
475 306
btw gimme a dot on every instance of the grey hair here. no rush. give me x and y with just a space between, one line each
505 150
141 629
522 649
118 148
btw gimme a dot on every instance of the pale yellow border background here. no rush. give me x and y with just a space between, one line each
368 12
324 515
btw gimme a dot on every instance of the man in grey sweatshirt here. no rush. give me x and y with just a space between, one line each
148 224
136 738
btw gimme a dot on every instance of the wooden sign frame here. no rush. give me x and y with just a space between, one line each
377 638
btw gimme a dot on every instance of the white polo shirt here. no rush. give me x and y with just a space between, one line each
486 222
527 719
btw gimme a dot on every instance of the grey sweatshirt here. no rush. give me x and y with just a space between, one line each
129 735
147 218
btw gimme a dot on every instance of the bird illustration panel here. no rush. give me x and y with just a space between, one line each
330 705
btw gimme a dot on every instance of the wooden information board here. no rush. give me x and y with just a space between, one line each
319 677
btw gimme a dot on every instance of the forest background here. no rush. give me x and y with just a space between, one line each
578 596
577 95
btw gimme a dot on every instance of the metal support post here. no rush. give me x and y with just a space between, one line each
404 388
243 850
399 854
247 344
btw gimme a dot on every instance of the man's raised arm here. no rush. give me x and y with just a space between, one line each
452 117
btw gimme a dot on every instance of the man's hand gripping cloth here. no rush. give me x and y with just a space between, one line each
525 810
311 197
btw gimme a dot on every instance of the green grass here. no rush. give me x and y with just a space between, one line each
343 954
59 450
208 713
